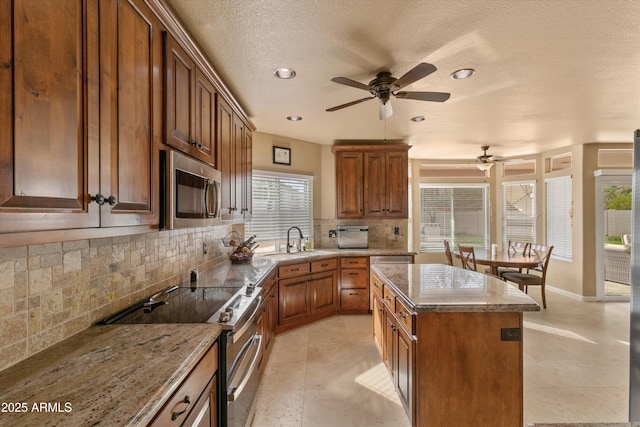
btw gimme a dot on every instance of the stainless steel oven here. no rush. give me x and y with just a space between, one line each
190 192
236 310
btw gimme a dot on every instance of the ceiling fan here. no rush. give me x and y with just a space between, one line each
385 85
486 161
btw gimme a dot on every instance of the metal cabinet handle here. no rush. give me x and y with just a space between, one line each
101 200
376 284
403 314
353 293
388 298
197 145
175 415
394 328
353 274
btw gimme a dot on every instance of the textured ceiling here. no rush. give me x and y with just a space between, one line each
549 73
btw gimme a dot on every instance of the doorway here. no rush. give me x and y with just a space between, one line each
613 237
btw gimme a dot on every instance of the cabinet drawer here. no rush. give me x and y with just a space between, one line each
354 262
389 298
354 278
354 299
376 285
176 410
324 265
405 316
294 270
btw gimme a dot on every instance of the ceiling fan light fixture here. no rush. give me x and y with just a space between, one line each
484 166
294 118
463 73
418 119
284 73
385 111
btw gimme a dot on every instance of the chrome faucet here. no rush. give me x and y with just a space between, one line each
289 246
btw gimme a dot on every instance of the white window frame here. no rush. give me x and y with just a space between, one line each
270 224
436 245
529 236
559 216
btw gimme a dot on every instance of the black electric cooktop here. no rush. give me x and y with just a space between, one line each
176 305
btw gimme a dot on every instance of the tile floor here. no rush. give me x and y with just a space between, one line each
329 373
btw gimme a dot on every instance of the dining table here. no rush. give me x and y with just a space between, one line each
503 259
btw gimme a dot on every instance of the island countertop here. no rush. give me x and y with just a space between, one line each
438 287
117 375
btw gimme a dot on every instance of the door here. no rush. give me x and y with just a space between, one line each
131 113
323 292
225 156
293 300
349 176
205 118
48 154
378 323
613 251
397 184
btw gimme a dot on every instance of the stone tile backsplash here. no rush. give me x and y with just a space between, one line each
52 291
381 232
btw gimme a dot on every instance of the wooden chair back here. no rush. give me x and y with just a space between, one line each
467 257
544 253
521 248
447 252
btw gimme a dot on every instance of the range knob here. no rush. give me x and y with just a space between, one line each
225 317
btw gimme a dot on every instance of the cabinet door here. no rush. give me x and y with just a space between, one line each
48 84
375 204
179 95
404 364
131 113
247 173
388 340
225 155
293 300
205 119
349 202
237 192
378 323
323 292
397 184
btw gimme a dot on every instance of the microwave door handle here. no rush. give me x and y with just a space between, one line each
216 198
207 214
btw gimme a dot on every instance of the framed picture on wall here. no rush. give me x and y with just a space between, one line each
281 155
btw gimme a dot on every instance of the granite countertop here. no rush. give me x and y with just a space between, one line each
321 253
437 287
118 375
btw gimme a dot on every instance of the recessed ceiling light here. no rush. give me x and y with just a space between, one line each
418 119
284 73
294 118
463 73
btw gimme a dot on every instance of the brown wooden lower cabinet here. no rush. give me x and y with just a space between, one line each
306 292
354 284
194 402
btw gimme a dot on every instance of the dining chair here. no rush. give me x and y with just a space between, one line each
524 280
467 257
447 252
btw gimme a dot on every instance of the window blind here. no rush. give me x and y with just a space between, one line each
519 212
279 202
458 213
558 216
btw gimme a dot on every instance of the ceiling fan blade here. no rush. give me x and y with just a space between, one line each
416 73
349 82
349 104
385 110
424 96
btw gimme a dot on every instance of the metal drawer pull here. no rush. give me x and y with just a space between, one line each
175 415
403 314
353 274
376 284
324 265
295 269
388 298
353 293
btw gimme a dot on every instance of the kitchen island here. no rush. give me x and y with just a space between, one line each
452 342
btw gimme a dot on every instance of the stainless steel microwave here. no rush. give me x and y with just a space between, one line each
191 192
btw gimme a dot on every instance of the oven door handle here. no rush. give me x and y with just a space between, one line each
244 368
236 335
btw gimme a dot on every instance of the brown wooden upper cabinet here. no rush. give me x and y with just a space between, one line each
234 144
80 113
190 105
371 181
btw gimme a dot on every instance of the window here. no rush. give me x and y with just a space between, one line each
280 201
519 212
558 216
458 213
